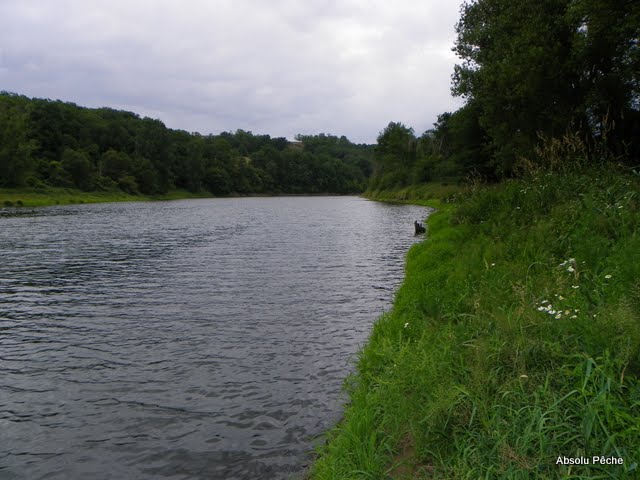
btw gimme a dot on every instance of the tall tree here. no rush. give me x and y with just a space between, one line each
395 155
546 65
516 69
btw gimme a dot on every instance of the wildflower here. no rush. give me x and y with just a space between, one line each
567 312
560 297
558 316
570 269
493 264
607 276
575 286
524 376
567 262
406 325
551 312
574 316
544 301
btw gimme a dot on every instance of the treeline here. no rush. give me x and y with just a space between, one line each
536 75
53 143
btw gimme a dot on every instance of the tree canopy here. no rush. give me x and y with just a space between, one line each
44 142
530 72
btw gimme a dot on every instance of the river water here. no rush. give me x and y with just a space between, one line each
196 339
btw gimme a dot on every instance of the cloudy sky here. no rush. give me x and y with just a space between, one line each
346 67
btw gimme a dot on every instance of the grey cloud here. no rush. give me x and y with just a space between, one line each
279 67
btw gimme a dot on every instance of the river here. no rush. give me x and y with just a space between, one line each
194 339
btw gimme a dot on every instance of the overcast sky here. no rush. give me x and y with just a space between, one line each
281 67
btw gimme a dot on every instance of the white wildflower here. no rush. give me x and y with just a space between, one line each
560 297
570 269
406 325
607 276
575 286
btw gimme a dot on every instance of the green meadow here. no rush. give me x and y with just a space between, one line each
513 346
38 197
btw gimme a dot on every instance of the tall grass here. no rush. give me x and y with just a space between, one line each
514 340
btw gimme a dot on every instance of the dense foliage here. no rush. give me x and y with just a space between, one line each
44 142
530 71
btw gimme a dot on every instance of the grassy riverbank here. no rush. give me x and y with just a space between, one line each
63 196
24 197
514 340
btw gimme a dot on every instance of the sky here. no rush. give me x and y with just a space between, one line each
277 67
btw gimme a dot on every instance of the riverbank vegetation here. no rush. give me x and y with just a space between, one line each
532 73
47 145
45 195
513 346
514 340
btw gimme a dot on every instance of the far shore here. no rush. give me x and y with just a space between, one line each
26 197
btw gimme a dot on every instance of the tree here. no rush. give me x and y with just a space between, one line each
77 165
115 164
16 162
395 155
539 67
516 68
152 142
606 54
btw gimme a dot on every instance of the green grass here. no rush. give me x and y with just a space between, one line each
43 196
514 339
419 194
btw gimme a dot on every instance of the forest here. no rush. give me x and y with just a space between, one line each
59 144
560 74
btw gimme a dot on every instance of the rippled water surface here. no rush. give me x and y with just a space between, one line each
189 339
